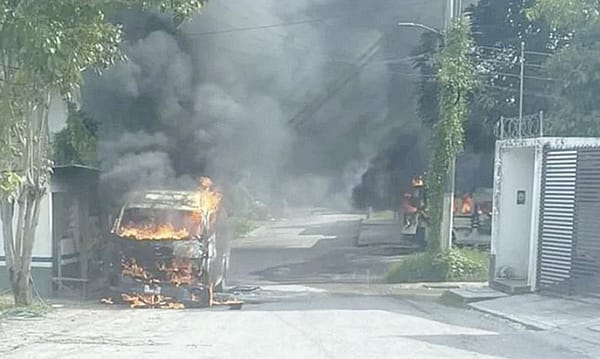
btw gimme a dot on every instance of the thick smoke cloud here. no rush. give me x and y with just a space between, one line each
205 100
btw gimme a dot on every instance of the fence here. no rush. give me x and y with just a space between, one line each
530 126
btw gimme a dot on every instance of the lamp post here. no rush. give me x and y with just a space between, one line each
421 26
447 224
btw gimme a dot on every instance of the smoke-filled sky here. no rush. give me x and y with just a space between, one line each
221 95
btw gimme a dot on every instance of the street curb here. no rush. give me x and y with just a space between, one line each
526 323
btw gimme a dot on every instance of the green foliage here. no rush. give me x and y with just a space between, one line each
575 110
45 45
566 14
503 25
8 309
499 27
77 142
427 64
456 80
452 265
383 215
243 227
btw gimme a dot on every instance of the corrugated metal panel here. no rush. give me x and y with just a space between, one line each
586 251
557 218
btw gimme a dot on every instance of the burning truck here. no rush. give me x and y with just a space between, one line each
472 215
170 249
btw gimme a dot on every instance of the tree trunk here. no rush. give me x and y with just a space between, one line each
21 289
18 242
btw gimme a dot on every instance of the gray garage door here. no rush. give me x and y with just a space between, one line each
569 243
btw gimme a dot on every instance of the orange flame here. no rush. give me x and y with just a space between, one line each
154 232
129 267
467 206
179 272
151 301
209 199
464 206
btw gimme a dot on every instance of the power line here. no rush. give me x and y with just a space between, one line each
530 93
514 50
526 76
509 62
253 28
311 108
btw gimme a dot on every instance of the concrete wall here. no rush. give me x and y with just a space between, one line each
42 248
42 252
512 223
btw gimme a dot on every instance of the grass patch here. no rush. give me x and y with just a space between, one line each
243 227
6 301
383 215
455 265
8 309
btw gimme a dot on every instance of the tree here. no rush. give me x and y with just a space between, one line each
566 14
575 110
498 26
45 46
77 142
456 79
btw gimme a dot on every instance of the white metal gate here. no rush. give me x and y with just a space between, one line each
569 242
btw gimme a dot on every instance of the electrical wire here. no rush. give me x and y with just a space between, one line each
501 49
254 28
530 93
525 76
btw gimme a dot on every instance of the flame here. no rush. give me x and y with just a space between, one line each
464 206
209 199
179 272
129 267
154 232
151 301
418 181
467 204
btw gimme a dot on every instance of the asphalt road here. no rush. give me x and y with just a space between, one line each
319 297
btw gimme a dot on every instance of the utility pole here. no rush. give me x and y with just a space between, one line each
447 224
452 8
522 80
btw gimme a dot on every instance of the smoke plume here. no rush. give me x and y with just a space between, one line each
295 98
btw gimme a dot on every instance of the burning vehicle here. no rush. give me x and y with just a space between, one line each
472 215
473 219
170 249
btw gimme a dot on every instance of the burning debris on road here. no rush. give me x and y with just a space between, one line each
151 301
168 249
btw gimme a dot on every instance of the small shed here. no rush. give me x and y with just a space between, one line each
546 215
68 229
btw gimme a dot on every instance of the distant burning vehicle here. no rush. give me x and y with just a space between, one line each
170 249
471 220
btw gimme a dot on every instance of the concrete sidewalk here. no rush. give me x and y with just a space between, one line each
546 313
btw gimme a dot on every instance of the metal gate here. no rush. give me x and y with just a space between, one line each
569 242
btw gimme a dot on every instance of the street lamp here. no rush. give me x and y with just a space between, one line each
421 26
446 227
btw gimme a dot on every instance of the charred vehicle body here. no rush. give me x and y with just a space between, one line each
471 220
169 248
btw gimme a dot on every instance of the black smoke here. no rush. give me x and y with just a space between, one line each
220 96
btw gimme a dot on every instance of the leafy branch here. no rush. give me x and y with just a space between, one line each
456 79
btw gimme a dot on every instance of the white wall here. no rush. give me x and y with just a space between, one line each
57 118
512 223
43 236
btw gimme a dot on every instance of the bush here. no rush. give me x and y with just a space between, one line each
243 227
452 265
